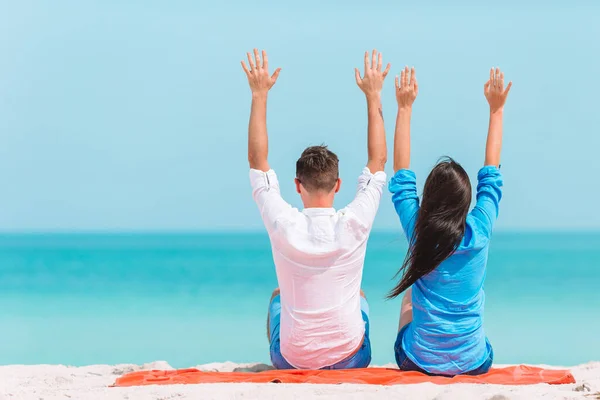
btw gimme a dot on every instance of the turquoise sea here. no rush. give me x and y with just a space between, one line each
196 298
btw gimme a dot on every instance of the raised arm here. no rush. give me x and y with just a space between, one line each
406 93
371 84
260 82
496 94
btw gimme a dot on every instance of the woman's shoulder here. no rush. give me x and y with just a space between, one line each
476 236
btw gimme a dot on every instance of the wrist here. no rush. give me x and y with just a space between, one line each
499 112
404 109
375 96
259 95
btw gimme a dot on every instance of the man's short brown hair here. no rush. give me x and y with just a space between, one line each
317 169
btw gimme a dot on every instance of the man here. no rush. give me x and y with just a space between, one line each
319 317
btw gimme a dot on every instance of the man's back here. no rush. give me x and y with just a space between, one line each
319 256
317 319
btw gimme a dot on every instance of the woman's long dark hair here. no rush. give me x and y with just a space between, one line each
440 224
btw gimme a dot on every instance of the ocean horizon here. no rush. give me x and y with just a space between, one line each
189 298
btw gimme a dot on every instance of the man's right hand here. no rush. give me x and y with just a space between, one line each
258 74
372 81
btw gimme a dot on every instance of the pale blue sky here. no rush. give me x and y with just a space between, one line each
133 114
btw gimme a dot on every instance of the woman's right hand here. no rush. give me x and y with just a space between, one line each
406 88
494 90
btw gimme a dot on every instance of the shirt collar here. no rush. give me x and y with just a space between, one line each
316 212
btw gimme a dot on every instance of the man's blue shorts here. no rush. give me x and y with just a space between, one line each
360 359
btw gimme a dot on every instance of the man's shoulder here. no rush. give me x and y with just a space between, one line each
286 218
350 222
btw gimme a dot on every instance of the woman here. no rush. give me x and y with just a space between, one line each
441 321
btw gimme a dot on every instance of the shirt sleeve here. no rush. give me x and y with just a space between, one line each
403 187
266 194
489 193
368 196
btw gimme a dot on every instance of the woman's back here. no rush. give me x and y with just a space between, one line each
441 319
446 333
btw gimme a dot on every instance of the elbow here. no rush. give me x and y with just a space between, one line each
254 158
399 165
258 162
252 161
377 163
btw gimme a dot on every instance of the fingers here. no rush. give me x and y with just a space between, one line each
405 77
402 79
357 76
374 59
416 88
375 62
508 88
275 75
397 83
498 78
413 77
265 60
257 57
387 69
245 69
250 62
496 83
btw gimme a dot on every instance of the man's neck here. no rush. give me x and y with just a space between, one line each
319 202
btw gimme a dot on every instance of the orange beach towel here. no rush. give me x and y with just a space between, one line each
516 375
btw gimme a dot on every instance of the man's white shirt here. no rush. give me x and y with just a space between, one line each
319 256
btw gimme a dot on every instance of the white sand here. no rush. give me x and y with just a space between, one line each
61 382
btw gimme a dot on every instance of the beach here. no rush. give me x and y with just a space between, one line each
51 382
120 300
136 233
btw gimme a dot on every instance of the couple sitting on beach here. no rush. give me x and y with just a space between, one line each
319 317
